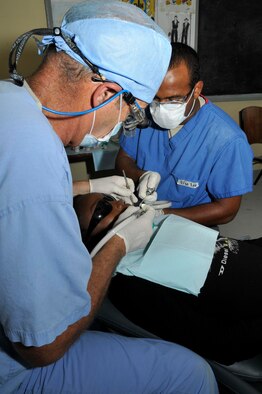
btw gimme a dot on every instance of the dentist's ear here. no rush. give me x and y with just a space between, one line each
104 92
198 89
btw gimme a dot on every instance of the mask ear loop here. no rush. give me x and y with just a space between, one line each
93 123
193 106
120 111
94 117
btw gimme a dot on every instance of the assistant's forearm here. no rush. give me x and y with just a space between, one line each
210 214
125 162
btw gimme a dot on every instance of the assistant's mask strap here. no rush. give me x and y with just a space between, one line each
193 105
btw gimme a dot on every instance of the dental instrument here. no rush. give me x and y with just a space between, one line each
128 187
150 190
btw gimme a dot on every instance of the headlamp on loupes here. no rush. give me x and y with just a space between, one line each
137 115
136 119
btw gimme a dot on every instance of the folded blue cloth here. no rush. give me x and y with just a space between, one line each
179 255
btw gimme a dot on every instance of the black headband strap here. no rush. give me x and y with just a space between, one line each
19 44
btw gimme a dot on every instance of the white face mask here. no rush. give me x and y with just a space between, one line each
170 115
90 141
113 132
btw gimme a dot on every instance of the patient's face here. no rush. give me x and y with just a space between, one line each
97 212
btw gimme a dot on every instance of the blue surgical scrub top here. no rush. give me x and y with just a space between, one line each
44 267
209 158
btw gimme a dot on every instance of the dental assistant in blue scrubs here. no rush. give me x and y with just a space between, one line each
192 153
50 288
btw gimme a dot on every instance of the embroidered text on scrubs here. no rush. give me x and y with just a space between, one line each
183 182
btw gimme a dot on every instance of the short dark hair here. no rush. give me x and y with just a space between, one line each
184 53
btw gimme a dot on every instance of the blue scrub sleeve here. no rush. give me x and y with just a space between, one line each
46 269
231 175
129 144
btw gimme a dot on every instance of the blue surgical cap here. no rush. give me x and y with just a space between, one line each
126 45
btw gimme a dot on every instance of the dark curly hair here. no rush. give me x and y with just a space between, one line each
184 53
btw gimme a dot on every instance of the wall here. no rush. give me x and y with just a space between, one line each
230 47
17 17
233 107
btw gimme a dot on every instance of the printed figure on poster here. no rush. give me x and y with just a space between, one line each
178 19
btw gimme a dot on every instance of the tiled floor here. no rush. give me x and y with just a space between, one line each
248 222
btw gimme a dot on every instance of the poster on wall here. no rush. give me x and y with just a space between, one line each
55 9
178 19
146 5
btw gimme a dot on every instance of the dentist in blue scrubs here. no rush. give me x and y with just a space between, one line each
101 66
191 153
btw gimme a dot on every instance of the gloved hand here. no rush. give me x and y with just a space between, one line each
136 234
116 186
147 186
159 207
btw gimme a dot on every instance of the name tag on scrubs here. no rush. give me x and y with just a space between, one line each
183 182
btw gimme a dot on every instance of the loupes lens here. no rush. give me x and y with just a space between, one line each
133 121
